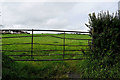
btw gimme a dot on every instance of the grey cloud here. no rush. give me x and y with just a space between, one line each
35 13
70 16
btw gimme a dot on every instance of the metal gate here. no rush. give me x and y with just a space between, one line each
44 45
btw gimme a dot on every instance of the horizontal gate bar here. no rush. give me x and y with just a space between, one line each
43 44
45 35
26 36
43 30
16 37
40 50
14 51
47 59
45 55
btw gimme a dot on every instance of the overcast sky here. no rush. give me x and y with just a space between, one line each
63 15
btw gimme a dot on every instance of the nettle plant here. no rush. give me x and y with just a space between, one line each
105 31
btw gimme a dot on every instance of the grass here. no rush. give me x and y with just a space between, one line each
53 69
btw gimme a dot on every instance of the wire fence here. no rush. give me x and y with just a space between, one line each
45 45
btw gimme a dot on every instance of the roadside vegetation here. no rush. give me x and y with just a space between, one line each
104 57
39 69
102 61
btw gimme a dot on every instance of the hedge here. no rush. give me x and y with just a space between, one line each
105 53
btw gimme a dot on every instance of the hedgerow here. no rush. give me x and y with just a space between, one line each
105 51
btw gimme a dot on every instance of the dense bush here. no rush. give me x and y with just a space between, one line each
105 52
8 68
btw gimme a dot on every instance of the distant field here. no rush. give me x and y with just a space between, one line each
43 43
54 69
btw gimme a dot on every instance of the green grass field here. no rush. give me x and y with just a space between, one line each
54 69
44 40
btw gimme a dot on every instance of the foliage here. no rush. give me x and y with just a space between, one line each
105 52
8 69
